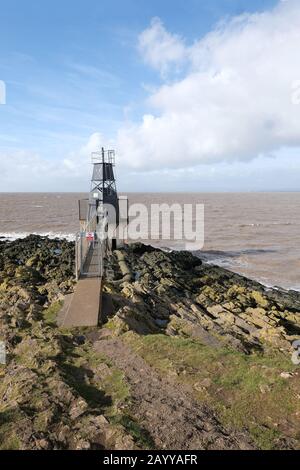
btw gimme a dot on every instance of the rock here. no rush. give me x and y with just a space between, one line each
63 434
259 299
161 323
79 340
100 421
42 444
206 383
286 375
264 388
215 310
82 445
258 317
43 420
238 309
128 319
77 408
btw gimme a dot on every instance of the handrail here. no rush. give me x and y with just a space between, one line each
108 156
85 247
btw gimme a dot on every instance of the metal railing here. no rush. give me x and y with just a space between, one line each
106 156
89 256
90 251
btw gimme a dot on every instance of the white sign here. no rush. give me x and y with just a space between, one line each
90 236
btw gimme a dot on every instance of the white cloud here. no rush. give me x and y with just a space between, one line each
30 171
235 101
160 48
77 161
23 170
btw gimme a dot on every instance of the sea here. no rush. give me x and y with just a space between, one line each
253 234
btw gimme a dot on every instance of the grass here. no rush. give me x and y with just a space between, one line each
8 438
106 390
10 442
89 374
246 390
115 385
50 314
140 435
108 394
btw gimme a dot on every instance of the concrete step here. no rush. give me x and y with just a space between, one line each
85 304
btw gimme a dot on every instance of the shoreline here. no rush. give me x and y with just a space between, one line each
70 237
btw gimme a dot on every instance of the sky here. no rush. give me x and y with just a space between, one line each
193 95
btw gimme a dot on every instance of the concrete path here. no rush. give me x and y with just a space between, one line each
84 306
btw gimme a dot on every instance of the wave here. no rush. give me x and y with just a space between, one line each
11 236
235 261
225 262
267 224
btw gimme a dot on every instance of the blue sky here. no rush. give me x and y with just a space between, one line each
80 74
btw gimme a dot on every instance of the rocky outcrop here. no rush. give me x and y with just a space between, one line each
227 338
176 293
54 394
73 390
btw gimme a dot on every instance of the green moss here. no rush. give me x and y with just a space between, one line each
50 314
111 325
260 300
7 416
41 422
264 437
11 442
8 437
116 387
140 435
105 390
87 356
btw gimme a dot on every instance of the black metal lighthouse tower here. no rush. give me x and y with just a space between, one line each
101 217
103 194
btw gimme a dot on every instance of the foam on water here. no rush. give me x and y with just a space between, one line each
11 236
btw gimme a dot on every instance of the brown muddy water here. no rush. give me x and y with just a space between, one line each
254 234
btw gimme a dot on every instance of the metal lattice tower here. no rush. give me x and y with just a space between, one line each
103 191
100 217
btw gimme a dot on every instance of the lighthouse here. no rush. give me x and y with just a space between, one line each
103 200
99 216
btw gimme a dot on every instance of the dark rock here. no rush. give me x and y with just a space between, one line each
80 340
177 284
